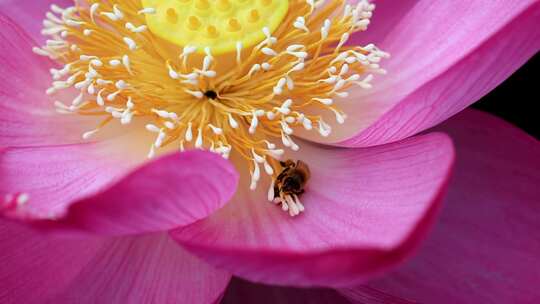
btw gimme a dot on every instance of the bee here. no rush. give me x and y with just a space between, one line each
292 179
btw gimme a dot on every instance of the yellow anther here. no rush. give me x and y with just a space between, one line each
254 16
199 23
172 17
193 23
234 25
212 31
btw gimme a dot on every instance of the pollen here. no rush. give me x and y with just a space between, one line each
239 78
240 20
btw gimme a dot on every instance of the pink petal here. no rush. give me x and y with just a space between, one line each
82 188
367 295
445 56
30 13
486 246
27 114
147 269
365 211
243 292
35 268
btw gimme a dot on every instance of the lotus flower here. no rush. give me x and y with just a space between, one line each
87 218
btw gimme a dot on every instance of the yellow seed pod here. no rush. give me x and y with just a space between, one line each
218 24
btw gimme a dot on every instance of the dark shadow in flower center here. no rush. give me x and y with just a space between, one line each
211 94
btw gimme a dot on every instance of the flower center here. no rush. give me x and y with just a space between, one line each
210 94
218 24
175 66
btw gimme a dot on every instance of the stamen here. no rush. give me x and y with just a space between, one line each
240 82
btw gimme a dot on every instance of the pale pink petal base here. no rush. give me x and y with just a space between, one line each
486 245
30 13
145 269
365 211
27 115
243 292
